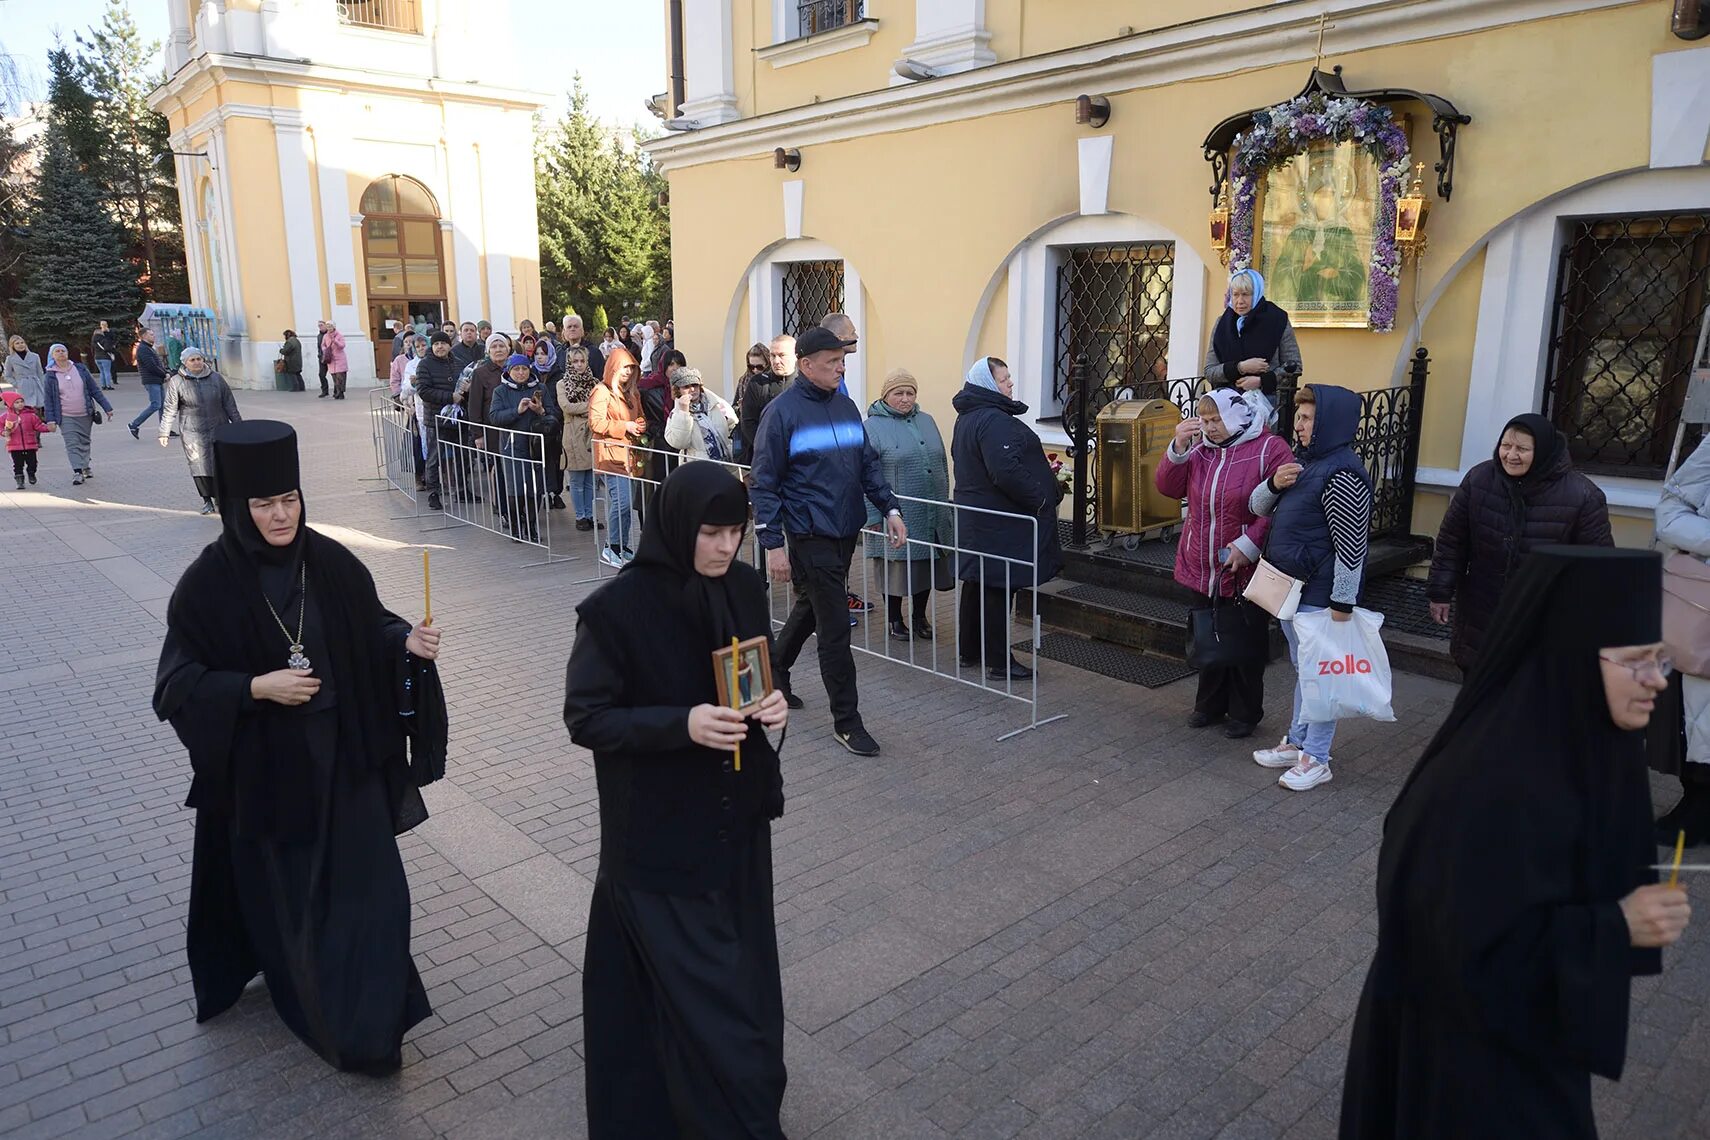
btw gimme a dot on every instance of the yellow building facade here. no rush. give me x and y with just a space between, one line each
359 161
936 184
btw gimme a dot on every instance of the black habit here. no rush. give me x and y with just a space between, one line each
1504 962
683 1004
296 869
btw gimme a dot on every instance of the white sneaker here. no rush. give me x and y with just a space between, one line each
1309 773
1284 755
611 557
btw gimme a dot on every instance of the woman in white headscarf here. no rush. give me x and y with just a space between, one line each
198 400
1215 461
1252 344
73 400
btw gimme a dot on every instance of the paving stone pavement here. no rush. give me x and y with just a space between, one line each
1110 927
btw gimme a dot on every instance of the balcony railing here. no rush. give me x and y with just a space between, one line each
386 15
815 16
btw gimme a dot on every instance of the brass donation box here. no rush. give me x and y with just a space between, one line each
1132 436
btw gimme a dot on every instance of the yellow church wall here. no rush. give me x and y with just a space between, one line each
257 213
829 77
955 199
1030 27
1447 337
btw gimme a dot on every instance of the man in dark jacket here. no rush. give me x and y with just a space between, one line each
321 353
468 349
291 362
436 384
153 375
812 467
762 389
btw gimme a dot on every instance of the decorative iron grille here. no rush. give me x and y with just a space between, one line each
1629 297
1387 444
810 290
1113 307
815 16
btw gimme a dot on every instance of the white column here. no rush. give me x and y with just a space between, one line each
951 35
463 208
337 256
189 208
298 204
709 62
235 321
178 40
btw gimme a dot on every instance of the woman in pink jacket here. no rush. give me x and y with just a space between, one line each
1215 461
338 366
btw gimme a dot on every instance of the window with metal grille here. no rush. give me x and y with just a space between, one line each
815 16
386 15
1629 296
809 291
1113 304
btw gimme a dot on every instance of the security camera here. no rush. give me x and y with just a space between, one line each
915 72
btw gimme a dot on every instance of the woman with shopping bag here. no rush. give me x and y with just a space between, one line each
1683 528
1320 509
1216 460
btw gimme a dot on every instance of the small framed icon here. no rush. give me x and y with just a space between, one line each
744 673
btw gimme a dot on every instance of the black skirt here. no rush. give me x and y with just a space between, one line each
684 1008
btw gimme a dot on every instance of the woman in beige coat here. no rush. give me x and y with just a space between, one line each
574 389
614 420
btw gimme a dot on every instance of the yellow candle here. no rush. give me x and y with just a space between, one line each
427 590
1679 850
736 693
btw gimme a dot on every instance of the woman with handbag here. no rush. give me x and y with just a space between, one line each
1683 525
74 401
1321 511
1526 495
198 400
1217 459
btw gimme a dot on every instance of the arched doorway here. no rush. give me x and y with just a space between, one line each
403 257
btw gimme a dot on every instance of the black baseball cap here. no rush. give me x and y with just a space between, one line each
819 339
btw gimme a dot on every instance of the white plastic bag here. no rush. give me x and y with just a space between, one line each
1344 670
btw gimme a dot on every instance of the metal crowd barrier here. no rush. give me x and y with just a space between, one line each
942 656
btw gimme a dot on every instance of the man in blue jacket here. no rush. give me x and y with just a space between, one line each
812 467
153 374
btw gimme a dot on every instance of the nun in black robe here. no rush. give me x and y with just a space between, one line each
296 870
682 999
1504 960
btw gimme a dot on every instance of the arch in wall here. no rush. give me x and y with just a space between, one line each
761 284
213 252
1516 298
1030 271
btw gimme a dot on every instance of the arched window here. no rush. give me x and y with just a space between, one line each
401 241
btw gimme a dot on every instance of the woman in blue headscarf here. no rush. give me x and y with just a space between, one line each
1252 344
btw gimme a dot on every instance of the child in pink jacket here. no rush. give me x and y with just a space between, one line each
1215 461
23 430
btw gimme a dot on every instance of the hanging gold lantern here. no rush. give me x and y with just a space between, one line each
1219 223
1410 213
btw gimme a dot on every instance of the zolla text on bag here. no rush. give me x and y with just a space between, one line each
1346 665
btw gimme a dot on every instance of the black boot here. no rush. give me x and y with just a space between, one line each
899 631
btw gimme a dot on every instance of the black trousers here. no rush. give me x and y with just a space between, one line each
23 461
684 1008
554 450
323 378
204 485
894 606
982 619
1236 692
818 567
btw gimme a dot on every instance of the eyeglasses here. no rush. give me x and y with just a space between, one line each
1662 665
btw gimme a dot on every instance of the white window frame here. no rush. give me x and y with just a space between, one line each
766 306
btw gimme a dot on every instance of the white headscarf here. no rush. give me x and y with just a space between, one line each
649 345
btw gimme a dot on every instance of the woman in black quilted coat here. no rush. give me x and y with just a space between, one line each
1526 495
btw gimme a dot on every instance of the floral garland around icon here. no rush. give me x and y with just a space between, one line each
1283 131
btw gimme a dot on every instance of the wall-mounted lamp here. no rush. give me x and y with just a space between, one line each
790 159
1691 19
1219 223
914 71
1410 212
1092 110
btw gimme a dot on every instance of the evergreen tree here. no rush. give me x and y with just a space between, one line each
71 105
76 273
604 235
134 162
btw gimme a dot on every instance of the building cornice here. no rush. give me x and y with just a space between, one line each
201 73
1272 35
